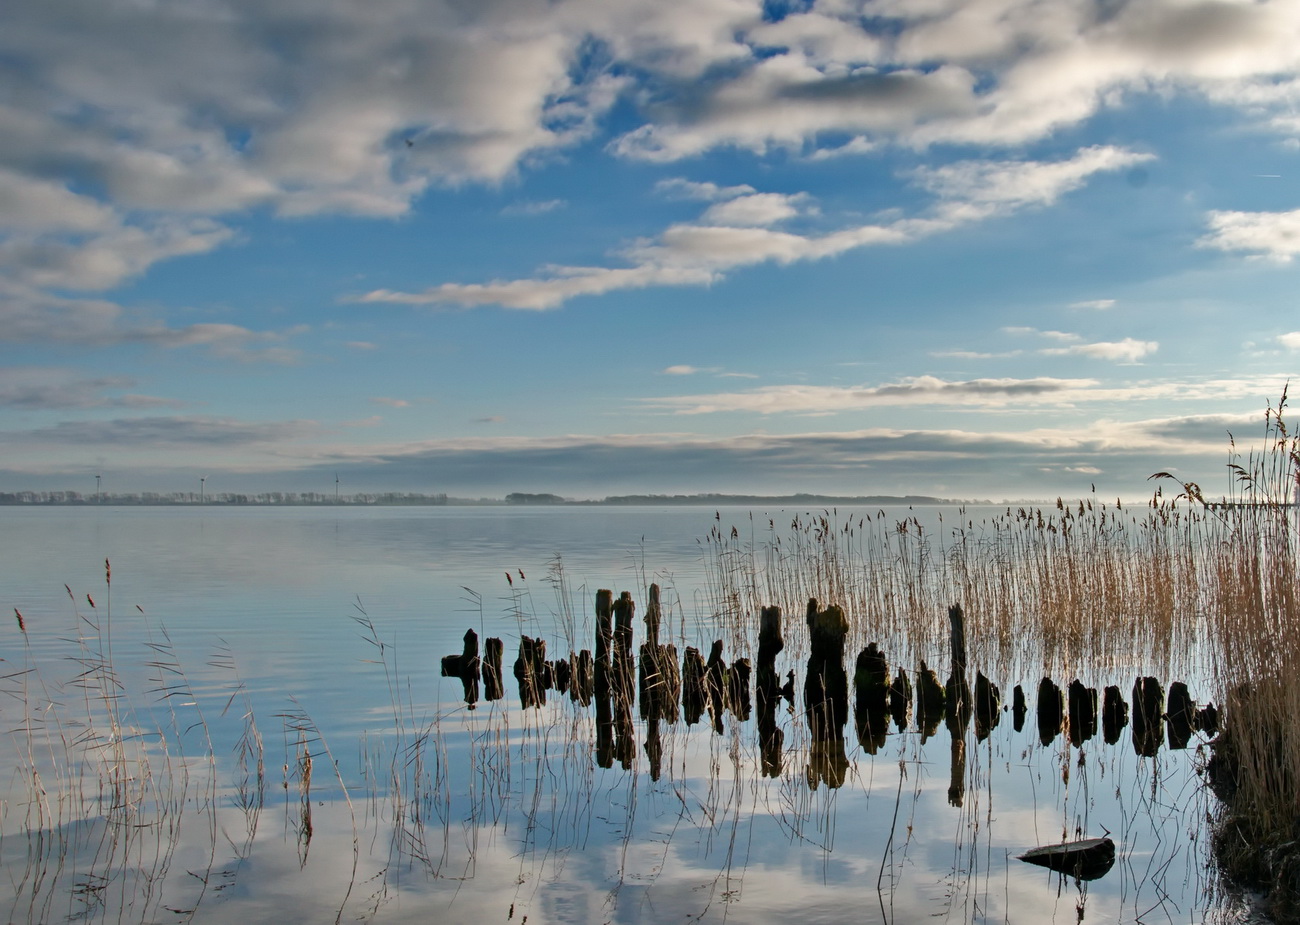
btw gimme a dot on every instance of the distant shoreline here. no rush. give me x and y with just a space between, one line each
515 499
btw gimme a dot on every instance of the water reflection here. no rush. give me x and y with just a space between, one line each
636 810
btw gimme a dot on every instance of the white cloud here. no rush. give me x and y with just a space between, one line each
680 370
1127 350
1095 304
1290 340
106 258
688 254
1041 392
755 209
972 190
920 390
679 188
1271 235
391 402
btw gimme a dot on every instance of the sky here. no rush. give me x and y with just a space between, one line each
985 249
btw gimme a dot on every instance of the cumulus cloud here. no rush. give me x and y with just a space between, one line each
1270 235
1290 340
756 209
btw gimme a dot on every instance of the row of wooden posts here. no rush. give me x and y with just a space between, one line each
615 679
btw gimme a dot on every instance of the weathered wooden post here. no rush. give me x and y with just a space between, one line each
563 675
958 696
871 698
715 685
583 686
1018 708
930 700
532 671
738 700
493 681
767 688
624 668
1114 714
651 683
1207 719
693 693
957 691
988 705
1051 710
1083 712
1181 711
604 640
900 700
466 667
826 688
767 691
1148 717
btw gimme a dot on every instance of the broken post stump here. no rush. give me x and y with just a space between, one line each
532 671
1114 714
466 667
930 699
493 681
582 687
957 690
1051 710
1181 713
988 705
715 685
1083 712
1148 717
604 639
871 698
692 685
900 700
623 665
826 688
767 688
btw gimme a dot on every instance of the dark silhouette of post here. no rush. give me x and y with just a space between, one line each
466 667
826 687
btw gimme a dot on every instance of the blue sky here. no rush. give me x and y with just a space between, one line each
994 249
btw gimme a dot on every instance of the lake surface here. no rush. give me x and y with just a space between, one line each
319 631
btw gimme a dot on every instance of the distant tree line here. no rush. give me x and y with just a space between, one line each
218 498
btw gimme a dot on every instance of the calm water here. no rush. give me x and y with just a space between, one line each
326 626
